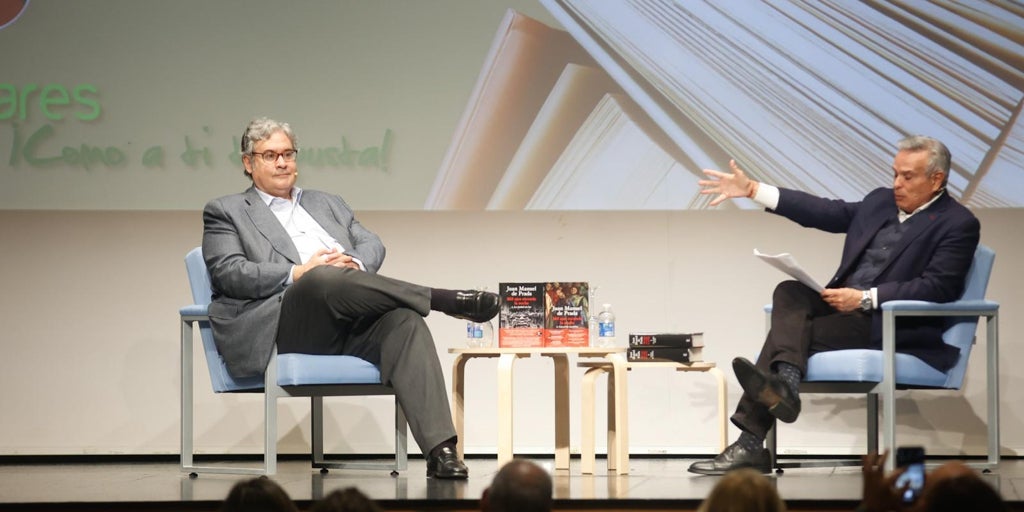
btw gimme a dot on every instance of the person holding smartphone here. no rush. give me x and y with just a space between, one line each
950 487
911 481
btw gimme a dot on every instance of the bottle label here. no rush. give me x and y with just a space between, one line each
606 329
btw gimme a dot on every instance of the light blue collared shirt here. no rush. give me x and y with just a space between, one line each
306 233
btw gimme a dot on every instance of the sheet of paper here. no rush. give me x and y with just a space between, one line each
787 263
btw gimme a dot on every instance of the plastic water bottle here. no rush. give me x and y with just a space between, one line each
606 327
474 333
479 334
486 337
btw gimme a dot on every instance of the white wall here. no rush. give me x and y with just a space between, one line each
90 330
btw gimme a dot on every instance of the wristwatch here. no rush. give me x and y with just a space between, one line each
865 300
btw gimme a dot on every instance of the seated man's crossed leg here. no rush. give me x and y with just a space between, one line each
802 325
343 311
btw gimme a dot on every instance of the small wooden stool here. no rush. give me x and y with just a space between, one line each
618 455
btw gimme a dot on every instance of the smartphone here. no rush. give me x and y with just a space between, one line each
911 459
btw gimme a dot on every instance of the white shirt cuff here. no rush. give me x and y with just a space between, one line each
767 196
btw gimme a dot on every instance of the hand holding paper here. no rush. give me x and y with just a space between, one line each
787 263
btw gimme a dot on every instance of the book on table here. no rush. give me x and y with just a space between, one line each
567 314
677 347
666 339
658 355
521 315
544 314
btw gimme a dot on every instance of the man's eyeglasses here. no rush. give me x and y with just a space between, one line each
271 156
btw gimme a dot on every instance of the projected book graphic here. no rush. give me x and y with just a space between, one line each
548 132
612 162
807 95
571 100
525 61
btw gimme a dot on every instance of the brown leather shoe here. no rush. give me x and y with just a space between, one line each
446 464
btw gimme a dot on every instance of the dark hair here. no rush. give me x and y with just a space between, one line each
743 489
520 486
964 492
259 494
349 499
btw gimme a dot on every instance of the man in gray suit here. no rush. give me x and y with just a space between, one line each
294 267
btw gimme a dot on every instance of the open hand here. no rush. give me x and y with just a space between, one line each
727 185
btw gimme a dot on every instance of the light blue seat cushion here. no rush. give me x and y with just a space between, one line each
865 365
305 369
292 369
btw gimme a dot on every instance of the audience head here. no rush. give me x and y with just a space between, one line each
955 487
346 500
258 495
743 490
519 486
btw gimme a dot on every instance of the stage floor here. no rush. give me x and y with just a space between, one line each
653 484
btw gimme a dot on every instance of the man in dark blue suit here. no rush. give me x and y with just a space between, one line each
910 242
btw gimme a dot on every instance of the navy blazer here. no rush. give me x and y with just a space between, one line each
930 262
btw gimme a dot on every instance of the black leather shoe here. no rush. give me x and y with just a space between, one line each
446 464
768 390
734 457
475 306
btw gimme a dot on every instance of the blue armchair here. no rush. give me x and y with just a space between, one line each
287 375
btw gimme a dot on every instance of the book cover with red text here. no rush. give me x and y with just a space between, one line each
521 317
567 313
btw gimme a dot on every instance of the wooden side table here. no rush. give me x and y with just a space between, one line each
614 358
618 409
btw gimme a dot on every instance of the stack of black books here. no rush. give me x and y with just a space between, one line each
666 347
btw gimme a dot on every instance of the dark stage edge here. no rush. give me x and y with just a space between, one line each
653 484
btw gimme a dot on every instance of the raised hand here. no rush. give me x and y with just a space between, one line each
727 185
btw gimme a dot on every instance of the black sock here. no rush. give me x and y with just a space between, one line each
442 300
789 374
750 442
450 443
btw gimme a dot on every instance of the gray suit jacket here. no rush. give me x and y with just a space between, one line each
249 256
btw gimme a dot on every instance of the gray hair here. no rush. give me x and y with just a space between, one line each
938 154
262 128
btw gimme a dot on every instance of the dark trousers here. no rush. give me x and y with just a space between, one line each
802 325
342 311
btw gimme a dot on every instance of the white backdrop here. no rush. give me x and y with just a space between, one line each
90 330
